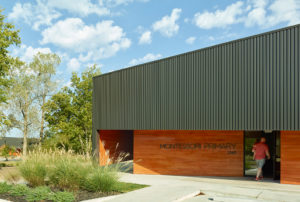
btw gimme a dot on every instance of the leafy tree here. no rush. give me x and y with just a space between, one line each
69 114
23 109
44 66
8 36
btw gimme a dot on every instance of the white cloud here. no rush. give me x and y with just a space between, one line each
265 13
146 58
73 65
26 53
82 7
121 2
34 15
167 26
85 58
102 40
145 38
257 14
21 11
219 18
262 13
284 11
190 40
43 12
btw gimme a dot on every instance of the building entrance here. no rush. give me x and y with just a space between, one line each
271 168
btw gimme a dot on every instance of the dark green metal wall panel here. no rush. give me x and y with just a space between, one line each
247 84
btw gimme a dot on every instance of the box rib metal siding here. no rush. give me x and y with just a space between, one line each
247 84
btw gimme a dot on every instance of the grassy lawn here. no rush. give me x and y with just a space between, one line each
22 192
124 187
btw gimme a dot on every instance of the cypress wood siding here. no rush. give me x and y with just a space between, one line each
151 158
290 157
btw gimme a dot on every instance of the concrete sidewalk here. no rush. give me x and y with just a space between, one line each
178 188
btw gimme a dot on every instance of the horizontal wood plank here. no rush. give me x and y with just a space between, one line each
202 153
290 157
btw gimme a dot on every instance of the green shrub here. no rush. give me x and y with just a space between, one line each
38 194
62 197
41 193
67 171
19 190
33 171
67 175
100 179
5 188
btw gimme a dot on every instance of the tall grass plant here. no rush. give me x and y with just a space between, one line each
68 171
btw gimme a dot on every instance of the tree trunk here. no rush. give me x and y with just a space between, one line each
81 144
87 150
42 122
25 131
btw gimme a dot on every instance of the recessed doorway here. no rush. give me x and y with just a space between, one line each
271 168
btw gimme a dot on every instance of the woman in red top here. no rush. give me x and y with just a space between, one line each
261 150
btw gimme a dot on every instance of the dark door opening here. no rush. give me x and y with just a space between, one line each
271 168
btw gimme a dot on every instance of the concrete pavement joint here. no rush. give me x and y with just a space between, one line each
259 194
187 196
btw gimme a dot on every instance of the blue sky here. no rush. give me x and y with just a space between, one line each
119 33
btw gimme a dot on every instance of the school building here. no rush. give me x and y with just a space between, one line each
199 113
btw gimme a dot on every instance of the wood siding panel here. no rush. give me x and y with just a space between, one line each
152 156
113 143
290 157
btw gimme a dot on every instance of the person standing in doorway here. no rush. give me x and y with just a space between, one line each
254 146
261 151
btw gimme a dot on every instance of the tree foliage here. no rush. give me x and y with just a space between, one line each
44 65
8 37
69 114
30 85
22 107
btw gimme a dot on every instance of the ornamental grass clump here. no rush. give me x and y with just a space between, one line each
100 179
67 171
34 169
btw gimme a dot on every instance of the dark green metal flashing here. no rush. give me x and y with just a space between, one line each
246 84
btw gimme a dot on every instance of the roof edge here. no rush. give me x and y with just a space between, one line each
201 49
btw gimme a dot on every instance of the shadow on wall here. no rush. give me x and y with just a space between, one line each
115 146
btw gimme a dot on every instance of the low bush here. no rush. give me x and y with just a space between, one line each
42 193
62 197
39 194
4 187
19 190
101 179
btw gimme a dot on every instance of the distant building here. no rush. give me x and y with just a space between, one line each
17 142
198 113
